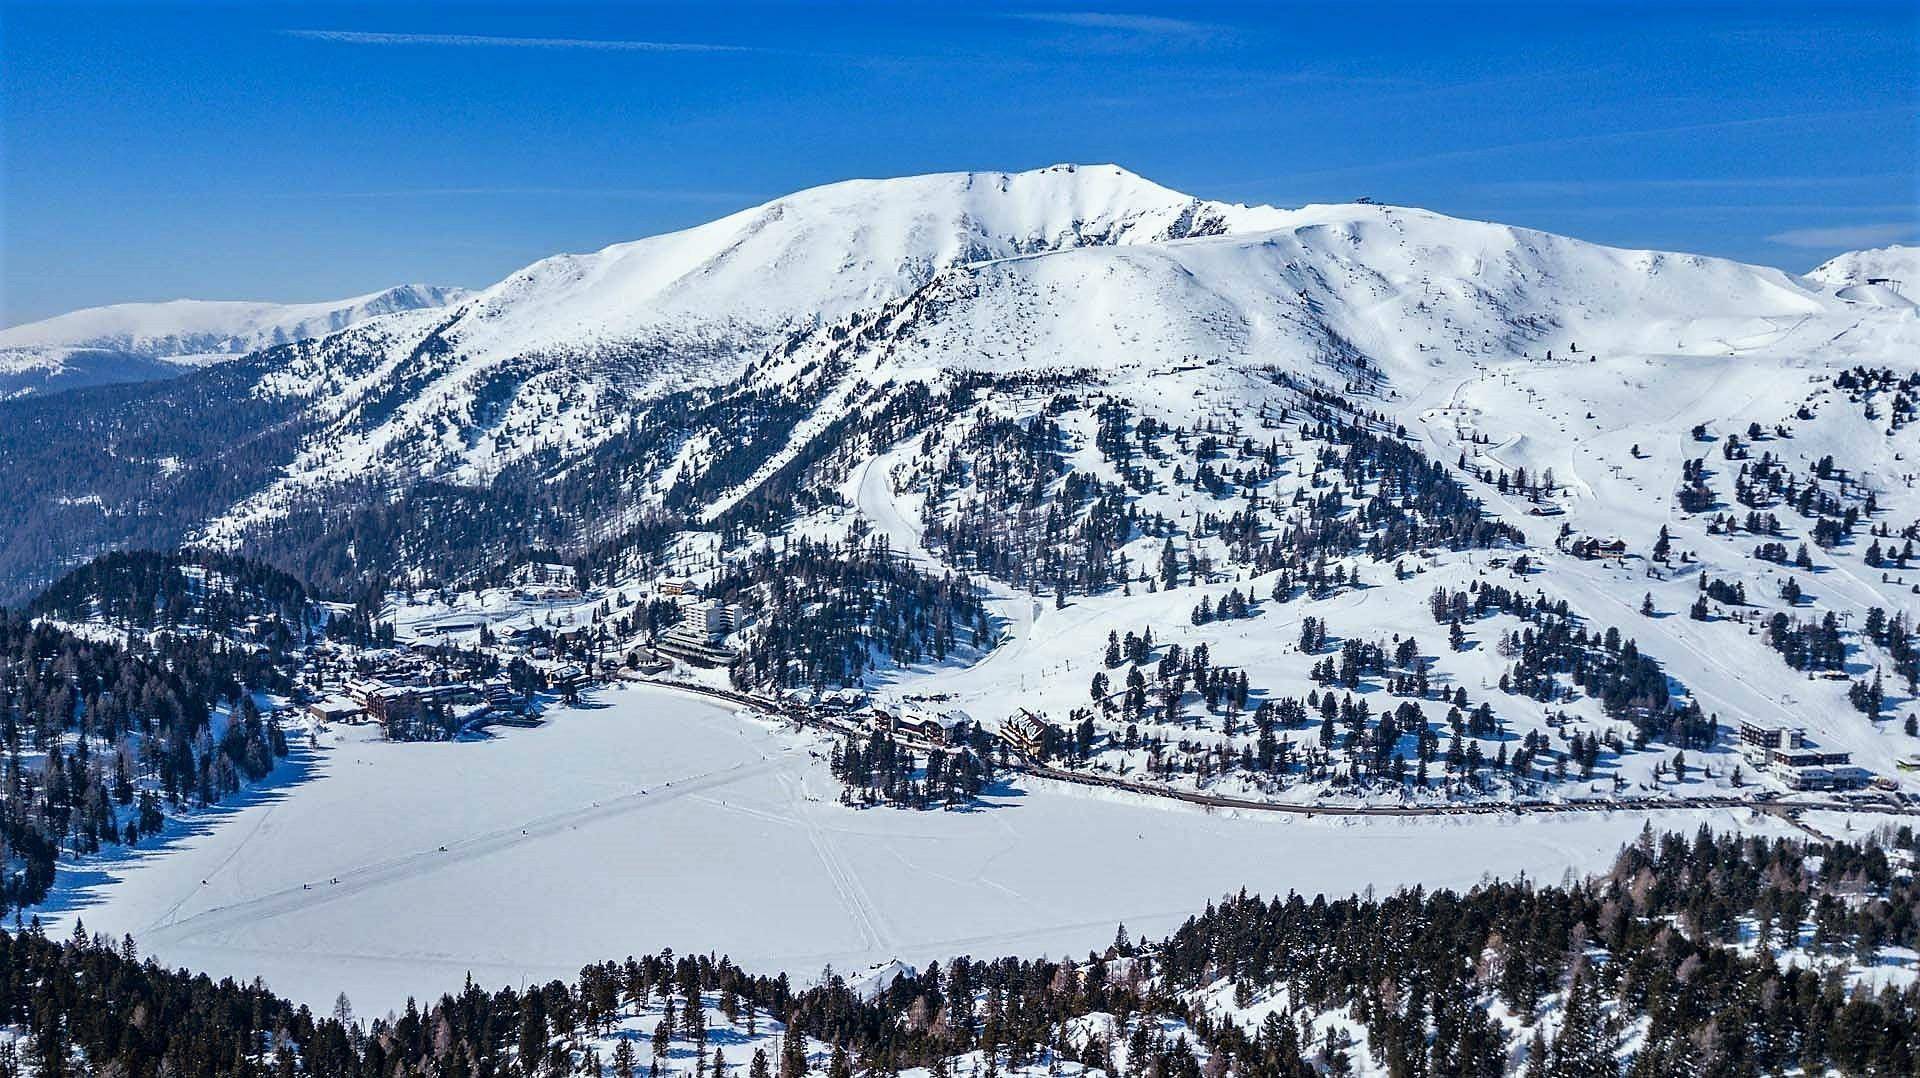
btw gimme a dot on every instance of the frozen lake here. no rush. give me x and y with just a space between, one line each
654 819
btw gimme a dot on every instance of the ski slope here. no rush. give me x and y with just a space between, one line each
1895 268
653 819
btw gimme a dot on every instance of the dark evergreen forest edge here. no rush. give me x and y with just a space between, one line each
88 470
123 720
1670 963
126 733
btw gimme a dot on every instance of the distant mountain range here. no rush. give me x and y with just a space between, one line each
130 342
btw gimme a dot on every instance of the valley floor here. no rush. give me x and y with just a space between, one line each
651 819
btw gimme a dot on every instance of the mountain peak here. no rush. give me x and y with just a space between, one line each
821 253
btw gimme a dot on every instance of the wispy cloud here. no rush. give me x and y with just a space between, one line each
1846 235
1121 32
361 37
1161 25
661 194
488 41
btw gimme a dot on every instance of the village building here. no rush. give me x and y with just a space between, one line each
567 679
391 703
922 727
1785 753
1769 736
697 636
1591 548
1025 731
362 690
336 709
499 694
642 662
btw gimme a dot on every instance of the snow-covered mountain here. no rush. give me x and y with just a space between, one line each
548 359
1408 290
1897 262
539 359
1114 401
735 284
1065 267
135 341
1882 276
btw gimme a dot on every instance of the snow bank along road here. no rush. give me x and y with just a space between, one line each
656 819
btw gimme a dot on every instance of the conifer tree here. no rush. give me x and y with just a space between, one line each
1585 1045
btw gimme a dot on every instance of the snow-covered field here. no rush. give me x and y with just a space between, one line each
653 819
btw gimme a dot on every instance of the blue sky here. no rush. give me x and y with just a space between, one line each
312 151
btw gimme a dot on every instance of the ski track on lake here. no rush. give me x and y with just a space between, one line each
357 880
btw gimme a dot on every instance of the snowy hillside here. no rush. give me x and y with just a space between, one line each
1608 377
132 341
548 356
1883 276
1403 290
1897 263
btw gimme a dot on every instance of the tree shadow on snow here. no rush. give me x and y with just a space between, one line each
79 884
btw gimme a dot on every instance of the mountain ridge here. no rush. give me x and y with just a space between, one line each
615 324
139 341
736 263
541 375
